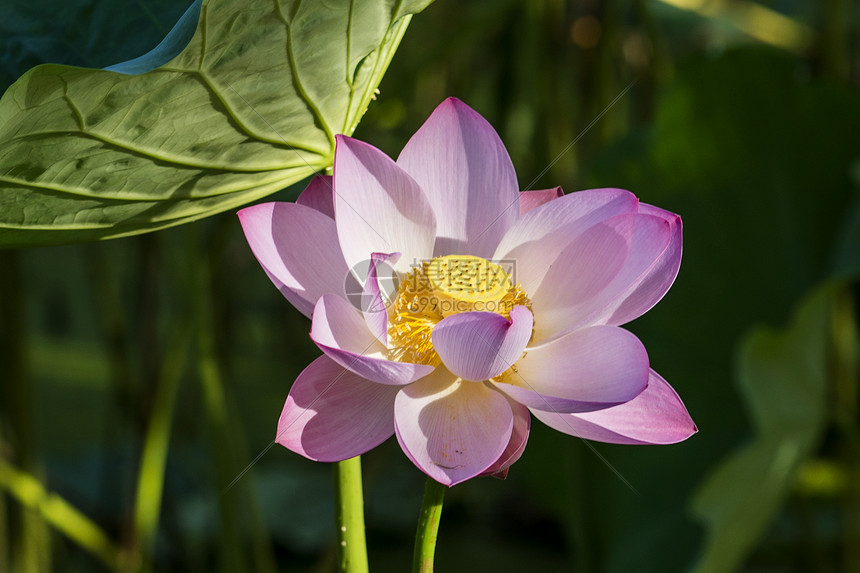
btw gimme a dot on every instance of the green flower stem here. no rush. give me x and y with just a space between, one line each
428 526
352 547
60 514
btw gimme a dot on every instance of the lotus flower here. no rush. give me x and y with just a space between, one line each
481 306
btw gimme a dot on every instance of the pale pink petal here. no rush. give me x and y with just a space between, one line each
332 414
585 370
340 331
297 247
452 430
462 165
517 443
654 283
531 199
379 208
378 292
536 240
594 273
480 345
319 195
656 416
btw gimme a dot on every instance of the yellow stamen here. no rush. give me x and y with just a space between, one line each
439 288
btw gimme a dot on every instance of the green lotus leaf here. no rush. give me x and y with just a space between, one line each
784 377
241 99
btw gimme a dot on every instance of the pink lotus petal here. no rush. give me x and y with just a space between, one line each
656 416
340 331
588 262
531 199
589 369
297 247
332 414
319 195
653 284
380 209
452 430
480 345
462 165
375 299
517 443
539 237
595 272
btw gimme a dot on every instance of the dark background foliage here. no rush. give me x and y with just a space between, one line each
754 142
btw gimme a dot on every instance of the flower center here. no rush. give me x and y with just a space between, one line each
439 288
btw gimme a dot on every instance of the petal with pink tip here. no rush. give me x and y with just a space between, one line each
481 345
517 443
452 430
531 199
537 239
341 332
319 195
460 162
595 271
297 247
655 282
588 369
331 414
656 416
380 208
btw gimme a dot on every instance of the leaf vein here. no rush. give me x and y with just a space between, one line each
207 82
297 82
186 162
394 33
270 179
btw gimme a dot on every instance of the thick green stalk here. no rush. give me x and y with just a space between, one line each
352 547
428 527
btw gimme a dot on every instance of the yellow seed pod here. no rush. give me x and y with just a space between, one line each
467 278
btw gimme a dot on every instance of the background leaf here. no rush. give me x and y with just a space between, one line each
784 379
248 107
90 33
764 187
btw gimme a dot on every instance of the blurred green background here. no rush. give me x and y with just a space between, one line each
743 117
